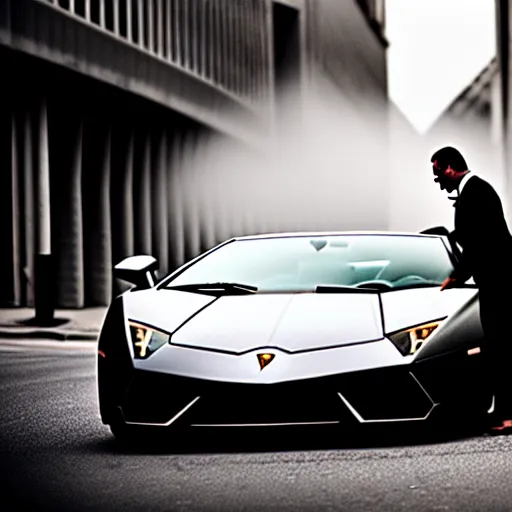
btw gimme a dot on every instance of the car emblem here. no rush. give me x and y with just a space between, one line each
265 359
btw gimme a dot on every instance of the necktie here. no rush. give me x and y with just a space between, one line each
455 200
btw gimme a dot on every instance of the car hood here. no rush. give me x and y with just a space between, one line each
290 322
236 324
407 308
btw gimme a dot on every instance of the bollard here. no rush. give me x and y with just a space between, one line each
44 296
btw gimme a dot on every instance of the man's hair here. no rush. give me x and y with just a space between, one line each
449 156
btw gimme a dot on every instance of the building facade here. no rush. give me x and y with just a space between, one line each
473 122
477 106
108 103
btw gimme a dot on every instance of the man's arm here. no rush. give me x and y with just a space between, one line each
460 274
462 271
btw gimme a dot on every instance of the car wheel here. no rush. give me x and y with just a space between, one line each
462 419
139 436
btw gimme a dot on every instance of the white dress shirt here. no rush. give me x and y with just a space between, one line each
465 180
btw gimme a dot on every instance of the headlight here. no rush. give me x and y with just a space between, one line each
146 340
410 340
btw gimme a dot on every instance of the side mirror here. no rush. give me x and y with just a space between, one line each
438 230
450 235
138 270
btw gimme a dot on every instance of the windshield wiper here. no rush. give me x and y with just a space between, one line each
335 288
221 287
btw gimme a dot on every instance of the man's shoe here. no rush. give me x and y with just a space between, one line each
501 428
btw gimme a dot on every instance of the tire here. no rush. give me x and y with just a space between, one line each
461 419
123 432
140 436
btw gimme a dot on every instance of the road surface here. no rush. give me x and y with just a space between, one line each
55 454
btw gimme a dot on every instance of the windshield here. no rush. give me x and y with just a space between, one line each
303 263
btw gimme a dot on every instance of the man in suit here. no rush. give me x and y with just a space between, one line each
482 232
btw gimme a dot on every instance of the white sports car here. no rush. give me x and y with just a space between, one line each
293 329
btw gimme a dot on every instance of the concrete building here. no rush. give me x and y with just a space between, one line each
473 122
106 102
415 202
479 119
502 106
477 107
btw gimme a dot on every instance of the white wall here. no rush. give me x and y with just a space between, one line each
416 201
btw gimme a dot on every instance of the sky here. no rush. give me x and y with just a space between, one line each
437 47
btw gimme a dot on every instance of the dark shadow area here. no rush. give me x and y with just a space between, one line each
287 55
286 43
281 440
35 322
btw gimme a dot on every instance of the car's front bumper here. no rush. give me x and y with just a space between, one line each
381 395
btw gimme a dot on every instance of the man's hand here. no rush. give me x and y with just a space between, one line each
449 282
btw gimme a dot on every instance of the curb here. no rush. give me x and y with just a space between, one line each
49 334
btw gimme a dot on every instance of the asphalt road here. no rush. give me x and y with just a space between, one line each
55 454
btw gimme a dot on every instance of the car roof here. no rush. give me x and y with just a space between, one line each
332 233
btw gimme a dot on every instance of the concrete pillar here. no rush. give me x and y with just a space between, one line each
205 13
177 33
121 197
70 271
98 235
103 276
253 49
191 210
200 193
176 204
219 44
128 227
129 18
28 208
194 36
185 31
212 41
249 73
140 19
44 264
268 84
15 195
143 194
228 29
102 13
209 201
224 34
223 190
150 26
116 16
169 29
6 261
221 197
5 22
160 27
43 186
159 205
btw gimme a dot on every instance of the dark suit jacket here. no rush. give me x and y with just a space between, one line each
481 230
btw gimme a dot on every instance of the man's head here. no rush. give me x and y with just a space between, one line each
449 167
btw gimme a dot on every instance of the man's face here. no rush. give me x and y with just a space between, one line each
445 177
